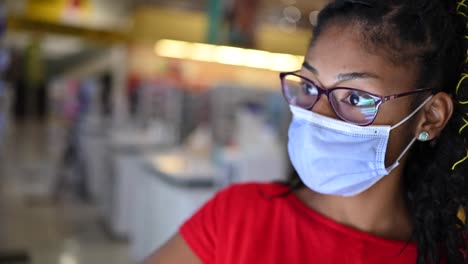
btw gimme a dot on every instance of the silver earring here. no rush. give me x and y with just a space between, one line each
423 136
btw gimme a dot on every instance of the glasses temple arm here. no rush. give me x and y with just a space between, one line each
395 96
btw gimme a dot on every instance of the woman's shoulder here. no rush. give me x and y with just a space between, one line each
242 199
234 212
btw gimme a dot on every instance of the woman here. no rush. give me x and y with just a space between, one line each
378 140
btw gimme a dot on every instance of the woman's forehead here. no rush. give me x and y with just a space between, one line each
341 50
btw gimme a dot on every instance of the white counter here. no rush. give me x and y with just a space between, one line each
173 187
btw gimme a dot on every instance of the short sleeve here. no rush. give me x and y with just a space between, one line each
200 230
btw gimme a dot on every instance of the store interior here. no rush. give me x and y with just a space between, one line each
120 118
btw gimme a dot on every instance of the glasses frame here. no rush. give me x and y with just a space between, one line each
379 98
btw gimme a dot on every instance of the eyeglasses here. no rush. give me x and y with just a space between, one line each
351 105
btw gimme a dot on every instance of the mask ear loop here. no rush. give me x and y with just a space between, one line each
412 114
397 162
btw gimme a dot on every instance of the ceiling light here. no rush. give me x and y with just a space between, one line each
227 55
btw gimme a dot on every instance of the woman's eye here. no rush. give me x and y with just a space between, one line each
357 99
309 89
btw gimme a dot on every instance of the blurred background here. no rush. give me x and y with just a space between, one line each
119 118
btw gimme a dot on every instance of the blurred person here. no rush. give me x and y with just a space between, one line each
35 80
106 94
72 165
378 141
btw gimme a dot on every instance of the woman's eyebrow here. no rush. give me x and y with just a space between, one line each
355 75
309 67
343 76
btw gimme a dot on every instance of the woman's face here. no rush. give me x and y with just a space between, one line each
339 51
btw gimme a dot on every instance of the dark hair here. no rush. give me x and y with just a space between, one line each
428 33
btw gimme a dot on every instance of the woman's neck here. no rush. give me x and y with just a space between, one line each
381 210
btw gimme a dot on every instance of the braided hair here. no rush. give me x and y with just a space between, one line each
430 33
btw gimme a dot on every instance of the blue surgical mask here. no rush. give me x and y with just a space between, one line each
338 158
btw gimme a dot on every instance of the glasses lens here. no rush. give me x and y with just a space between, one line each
299 91
354 106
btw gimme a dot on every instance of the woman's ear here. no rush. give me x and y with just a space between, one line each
434 116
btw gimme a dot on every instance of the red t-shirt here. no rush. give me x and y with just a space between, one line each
243 224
